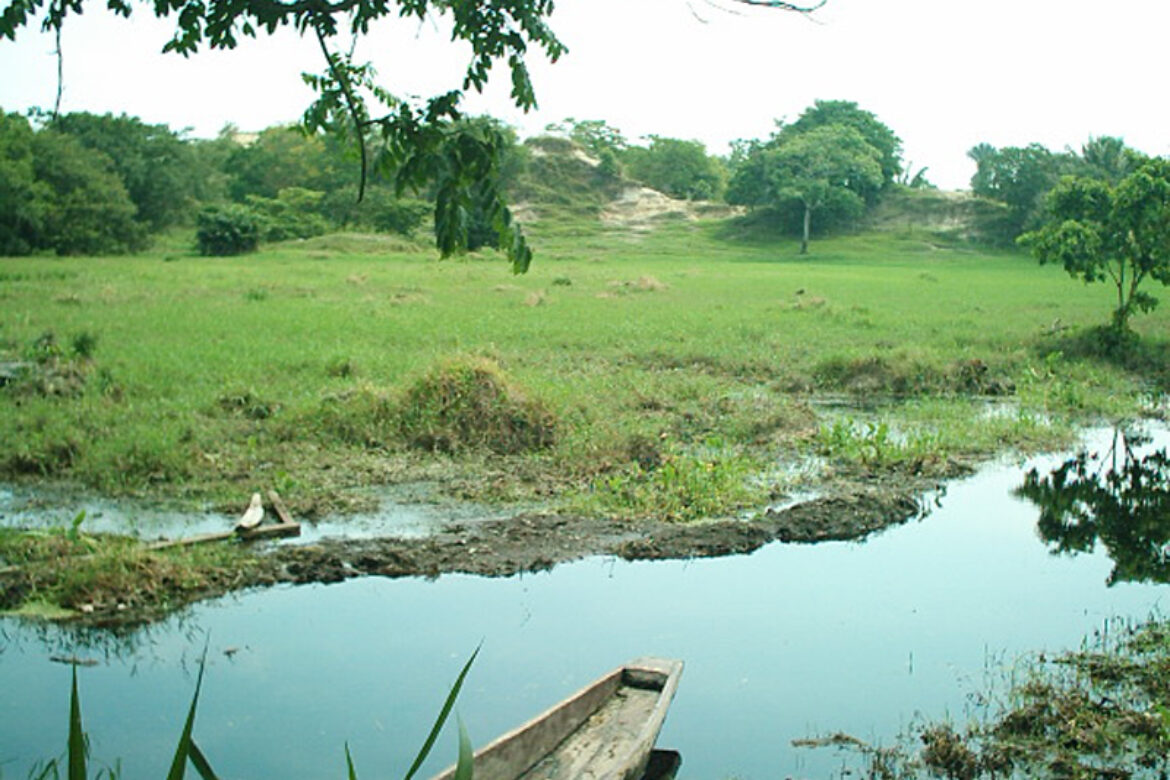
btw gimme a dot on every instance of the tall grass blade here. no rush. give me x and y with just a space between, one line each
183 750
443 714
349 764
466 766
76 735
201 764
47 772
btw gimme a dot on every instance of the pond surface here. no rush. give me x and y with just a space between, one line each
791 641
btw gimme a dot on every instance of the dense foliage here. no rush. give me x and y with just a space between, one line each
227 230
88 184
57 195
420 143
681 169
156 165
1019 178
1099 231
834 162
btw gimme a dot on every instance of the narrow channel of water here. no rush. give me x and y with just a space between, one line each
789 642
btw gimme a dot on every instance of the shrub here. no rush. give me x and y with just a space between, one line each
468 403
227 230
293 213
403 216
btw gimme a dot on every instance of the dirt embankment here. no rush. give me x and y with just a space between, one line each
536 542
494 548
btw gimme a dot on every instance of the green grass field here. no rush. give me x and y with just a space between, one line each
680 365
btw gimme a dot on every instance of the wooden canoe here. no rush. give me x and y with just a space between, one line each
604 731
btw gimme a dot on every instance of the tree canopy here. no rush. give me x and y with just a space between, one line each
421 141
55 194
829 165
1121 233
846 113
1019 177
834 162
156 167
681 169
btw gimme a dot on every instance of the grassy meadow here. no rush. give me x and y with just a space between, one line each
678 371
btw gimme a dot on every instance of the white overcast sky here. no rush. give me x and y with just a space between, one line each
944 74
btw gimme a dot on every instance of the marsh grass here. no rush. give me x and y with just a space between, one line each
678 487
187 751
1102 711
203 392
469 403
68 571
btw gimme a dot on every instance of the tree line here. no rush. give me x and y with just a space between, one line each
102 184
87 184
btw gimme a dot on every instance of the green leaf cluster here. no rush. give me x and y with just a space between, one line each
56 195
681 169
1119 233
834 162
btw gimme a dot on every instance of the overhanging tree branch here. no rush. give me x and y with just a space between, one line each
774 4
351 102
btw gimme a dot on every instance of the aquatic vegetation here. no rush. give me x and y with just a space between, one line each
68 572
708 482
1101 711
874 445
187 751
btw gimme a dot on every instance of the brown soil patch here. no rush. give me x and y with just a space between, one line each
531 542
535 542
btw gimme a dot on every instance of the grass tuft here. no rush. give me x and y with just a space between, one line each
467 403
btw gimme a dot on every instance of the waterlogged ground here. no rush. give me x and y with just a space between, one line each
790 641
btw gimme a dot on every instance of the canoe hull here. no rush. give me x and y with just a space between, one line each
605 730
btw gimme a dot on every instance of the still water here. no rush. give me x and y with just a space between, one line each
791 641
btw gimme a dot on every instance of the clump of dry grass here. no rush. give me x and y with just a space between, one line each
645 283
468 403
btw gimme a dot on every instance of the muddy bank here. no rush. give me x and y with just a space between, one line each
536 542
494 548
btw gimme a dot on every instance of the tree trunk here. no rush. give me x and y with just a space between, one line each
804 236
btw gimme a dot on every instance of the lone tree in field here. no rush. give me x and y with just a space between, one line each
825 166
1119 233
422 142
832 163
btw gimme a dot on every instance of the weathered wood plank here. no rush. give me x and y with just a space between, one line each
281 510
277 531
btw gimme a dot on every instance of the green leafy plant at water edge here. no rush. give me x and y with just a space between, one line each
873 445
681 487
77 748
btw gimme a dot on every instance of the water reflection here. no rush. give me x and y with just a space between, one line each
788 642
1120 498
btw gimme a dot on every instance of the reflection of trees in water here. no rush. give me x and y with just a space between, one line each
146 644
1120 498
